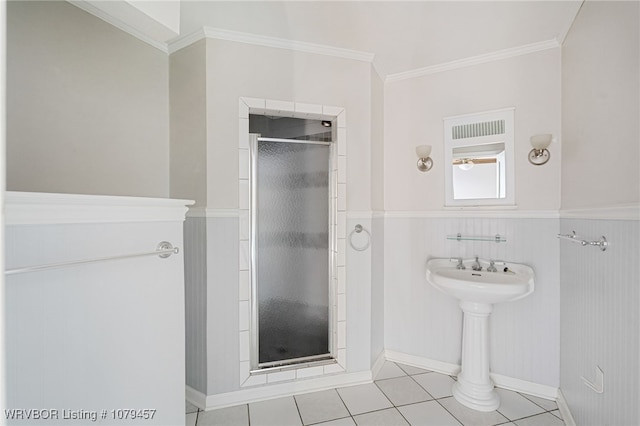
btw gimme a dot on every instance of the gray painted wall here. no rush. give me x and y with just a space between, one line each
87 105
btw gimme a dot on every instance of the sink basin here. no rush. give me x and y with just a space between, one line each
477 291
481 286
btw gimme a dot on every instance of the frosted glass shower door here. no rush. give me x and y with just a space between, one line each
291 250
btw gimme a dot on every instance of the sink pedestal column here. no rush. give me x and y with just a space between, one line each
474 387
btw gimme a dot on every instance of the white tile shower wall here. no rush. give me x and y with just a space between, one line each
195 302
600 326
421 321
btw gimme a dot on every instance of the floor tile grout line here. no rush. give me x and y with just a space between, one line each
452 415
425 389
385 395
344 403
332 420
402 415
295 401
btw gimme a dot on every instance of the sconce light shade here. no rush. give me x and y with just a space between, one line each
541 141
539 155
424 161
423 151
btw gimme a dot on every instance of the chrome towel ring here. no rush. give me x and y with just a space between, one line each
359 229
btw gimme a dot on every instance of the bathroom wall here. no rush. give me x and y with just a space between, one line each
234 70
600 326
87 105
188 146
421 322
414 110
377 221
600 107
239 69
425 323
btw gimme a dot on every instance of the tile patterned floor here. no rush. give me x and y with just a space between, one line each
400 395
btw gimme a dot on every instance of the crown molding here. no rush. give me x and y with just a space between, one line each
118 23
474 60
260 40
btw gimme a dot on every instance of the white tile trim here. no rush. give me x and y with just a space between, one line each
474 60
338 301
279 390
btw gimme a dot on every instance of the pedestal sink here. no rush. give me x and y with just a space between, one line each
477 291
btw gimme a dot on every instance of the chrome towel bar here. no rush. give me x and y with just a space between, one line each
163 250
602 242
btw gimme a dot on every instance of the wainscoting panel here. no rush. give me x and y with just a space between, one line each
421 321
195 273
600 328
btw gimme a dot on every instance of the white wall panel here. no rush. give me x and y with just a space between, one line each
358 299
421 321
96 336
377 287
195 251
600 295
223 353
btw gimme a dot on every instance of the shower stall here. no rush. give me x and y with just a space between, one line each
292 250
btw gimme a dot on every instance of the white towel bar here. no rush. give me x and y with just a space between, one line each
163 250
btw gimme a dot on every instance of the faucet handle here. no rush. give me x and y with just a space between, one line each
476 265
460 265
493 263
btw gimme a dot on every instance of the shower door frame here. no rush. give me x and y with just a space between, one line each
328 358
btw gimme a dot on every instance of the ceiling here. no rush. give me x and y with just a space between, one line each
402 36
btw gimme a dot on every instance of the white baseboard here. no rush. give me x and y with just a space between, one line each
377 365
420 362
195 397
564 410
262 393
530 388
505 382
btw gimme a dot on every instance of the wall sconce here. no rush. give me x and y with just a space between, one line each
539 155
424 161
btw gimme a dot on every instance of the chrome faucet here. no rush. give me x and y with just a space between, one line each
492 265
460 265
476 266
